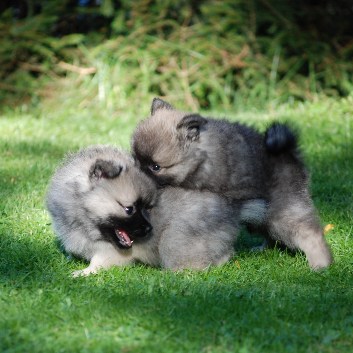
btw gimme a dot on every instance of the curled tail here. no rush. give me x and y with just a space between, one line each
279 138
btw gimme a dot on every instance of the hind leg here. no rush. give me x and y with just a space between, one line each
295 224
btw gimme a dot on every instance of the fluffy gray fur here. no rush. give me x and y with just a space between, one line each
197 229
90 197
235 161
191 229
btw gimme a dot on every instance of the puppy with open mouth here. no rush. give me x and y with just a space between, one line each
98 200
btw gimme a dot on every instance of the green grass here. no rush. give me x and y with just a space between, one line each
258 302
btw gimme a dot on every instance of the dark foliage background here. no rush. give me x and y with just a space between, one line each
231 52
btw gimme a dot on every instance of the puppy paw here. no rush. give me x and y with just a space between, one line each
320 257
84 273
320 263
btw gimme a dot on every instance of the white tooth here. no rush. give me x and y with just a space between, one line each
132 241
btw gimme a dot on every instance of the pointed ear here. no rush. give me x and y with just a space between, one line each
104 169
158 104
192 125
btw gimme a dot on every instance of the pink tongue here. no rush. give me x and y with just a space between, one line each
125 237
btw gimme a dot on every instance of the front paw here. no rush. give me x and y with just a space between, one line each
84 273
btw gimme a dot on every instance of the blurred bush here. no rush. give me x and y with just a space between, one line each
203 53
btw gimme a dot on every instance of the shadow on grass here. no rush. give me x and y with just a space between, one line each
255 315
222 308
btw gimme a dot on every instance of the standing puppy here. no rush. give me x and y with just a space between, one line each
235 161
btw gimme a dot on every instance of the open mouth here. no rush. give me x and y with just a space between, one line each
123 237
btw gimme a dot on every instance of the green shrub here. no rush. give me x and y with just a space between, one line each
234 53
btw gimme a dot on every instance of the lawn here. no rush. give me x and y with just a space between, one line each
258 302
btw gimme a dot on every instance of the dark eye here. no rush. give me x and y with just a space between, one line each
155 167
129 210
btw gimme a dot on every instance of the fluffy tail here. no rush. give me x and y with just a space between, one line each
279 138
